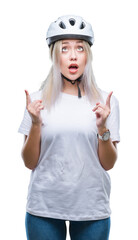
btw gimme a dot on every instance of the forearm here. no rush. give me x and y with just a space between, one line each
31 148
107 153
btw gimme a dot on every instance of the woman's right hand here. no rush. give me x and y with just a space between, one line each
34 109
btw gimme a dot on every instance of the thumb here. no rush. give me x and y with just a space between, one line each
28 99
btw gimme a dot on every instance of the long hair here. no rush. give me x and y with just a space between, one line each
53 85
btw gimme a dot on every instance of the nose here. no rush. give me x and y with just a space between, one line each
73 55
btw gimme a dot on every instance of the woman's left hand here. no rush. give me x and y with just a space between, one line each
102 112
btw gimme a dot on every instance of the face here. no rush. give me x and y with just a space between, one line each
72 58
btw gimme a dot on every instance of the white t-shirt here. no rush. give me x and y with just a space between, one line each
69 182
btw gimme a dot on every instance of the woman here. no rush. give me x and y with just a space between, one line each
71 130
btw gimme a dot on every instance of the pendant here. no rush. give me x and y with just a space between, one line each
73 81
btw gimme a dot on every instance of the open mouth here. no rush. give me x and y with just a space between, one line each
73 66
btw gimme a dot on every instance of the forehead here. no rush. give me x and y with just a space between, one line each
71 41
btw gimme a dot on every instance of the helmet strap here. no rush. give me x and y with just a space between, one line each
73 82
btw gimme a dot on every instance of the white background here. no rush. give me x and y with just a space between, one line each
24 64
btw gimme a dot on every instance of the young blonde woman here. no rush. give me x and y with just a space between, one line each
71 130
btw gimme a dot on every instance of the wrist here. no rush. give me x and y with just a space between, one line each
104 134
36 124
102 130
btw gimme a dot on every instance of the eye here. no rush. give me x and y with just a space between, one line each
80 48
64 49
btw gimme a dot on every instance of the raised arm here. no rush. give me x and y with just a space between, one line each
107 150
31 148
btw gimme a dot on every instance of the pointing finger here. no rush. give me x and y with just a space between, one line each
28 99
108 99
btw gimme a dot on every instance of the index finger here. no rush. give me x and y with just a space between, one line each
108 99
28 99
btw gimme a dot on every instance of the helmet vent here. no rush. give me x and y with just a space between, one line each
82 25
62 25
72 21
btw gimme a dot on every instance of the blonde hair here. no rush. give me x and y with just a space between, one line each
53 84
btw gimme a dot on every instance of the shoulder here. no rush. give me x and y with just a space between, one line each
36 95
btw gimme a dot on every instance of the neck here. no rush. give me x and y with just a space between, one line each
72 88
73 82
68 82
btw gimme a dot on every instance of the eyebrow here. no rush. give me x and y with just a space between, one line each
79 41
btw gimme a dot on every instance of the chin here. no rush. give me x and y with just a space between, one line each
73 76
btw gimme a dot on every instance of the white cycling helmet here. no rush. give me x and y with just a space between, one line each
68 27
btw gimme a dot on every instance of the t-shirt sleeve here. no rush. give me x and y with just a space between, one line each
26 123
113 120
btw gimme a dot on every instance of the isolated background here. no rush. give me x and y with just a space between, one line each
24 64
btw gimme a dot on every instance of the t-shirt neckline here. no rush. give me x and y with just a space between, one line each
67 95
